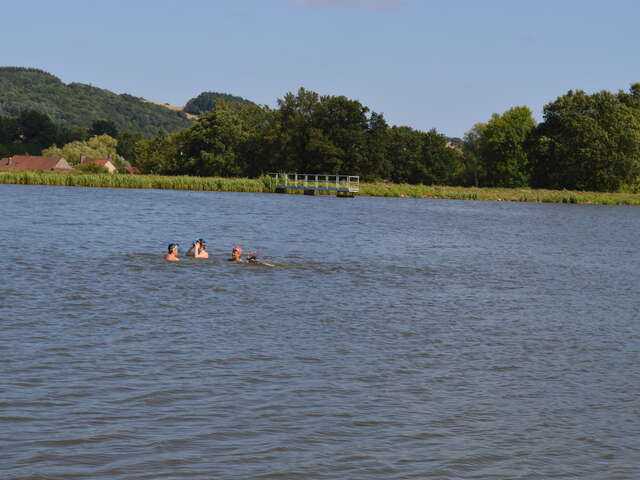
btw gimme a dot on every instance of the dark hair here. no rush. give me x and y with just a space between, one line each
171 245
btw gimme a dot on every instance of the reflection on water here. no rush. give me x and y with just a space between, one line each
397 338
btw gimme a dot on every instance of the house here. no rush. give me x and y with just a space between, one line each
103 162
132 170
28 162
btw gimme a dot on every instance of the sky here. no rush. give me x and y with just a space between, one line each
425 64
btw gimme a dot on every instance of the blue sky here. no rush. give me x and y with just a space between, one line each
422 63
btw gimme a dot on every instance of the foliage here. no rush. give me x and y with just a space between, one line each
423 157
127 141
588 142
471 160
502 148
101 146
32 131
78 105
103 127
207 100
90 168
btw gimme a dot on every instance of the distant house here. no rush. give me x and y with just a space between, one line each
103 162
132 170
27 162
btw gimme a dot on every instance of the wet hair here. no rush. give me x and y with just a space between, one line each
170 247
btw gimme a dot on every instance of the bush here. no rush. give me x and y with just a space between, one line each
91 168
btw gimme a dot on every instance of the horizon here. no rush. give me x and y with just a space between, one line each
425 66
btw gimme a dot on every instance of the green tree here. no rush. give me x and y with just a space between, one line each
587 142
502 148
127 141
103 127
374 163
150 156
212 146
405 151
37 130
207 101
471 155
101 146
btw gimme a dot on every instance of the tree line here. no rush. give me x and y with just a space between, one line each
585 142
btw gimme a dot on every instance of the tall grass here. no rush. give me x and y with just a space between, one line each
498 194
135 181
267 184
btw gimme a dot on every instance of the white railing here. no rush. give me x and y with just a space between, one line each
312 181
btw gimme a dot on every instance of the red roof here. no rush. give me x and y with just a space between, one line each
132 170
26 162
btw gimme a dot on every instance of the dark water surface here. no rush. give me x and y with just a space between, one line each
401 338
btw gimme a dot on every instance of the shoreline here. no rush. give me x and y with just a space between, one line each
267 185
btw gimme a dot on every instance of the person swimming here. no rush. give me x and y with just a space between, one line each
201 249
172 255
236 255
252 258
198 249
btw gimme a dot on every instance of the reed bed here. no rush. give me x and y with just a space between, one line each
498 194
267 185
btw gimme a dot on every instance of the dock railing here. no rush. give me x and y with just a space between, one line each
317 182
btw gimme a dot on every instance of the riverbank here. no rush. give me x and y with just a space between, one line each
267 185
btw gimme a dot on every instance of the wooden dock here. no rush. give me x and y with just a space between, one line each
345 186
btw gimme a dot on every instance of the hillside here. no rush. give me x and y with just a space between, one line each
79 105
206 101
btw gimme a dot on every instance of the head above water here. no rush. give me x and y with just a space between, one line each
172 247
236 251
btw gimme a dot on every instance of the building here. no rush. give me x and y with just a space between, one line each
103 162
28 162
132 170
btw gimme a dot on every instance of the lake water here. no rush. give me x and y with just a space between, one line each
399 338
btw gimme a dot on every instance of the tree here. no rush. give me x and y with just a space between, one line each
103 127
440 162
9 130
405 153
127 141
375 164
37 130
587 142
471 154
212 146
502 148
206 101
102 146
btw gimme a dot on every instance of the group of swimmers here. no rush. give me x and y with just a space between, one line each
198 249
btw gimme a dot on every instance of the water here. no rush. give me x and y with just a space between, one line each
399 339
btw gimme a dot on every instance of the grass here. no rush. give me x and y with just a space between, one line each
267 185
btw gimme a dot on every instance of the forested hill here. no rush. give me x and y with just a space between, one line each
79 105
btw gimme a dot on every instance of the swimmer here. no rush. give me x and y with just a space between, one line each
236 255
200 249
172 255
251 258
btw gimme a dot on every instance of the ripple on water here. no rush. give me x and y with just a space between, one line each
433 340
